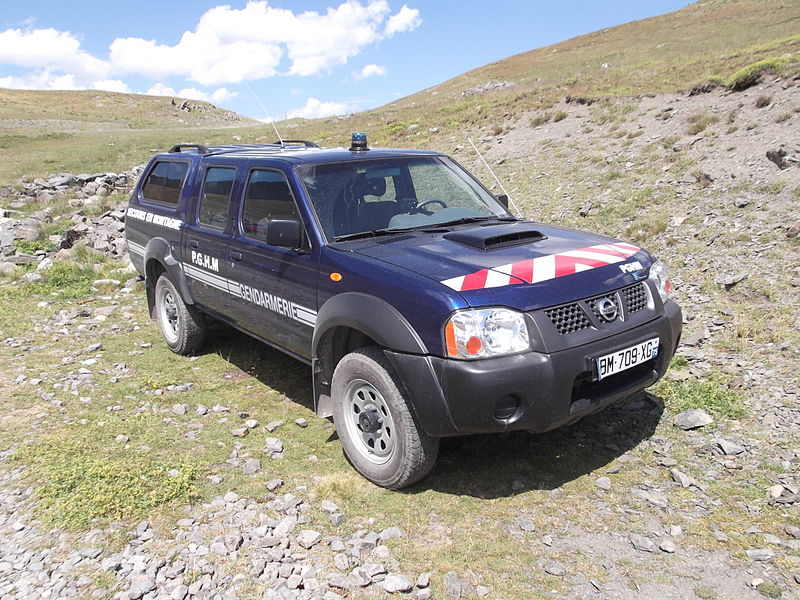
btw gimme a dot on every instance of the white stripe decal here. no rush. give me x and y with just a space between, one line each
275 304
205 275
496 279
209 282
135 248
543 268
594 255
455 283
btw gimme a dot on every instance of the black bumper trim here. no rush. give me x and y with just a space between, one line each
451 397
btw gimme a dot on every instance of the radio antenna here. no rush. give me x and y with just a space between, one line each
478 152
266 114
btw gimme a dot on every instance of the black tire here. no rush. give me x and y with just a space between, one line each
183 327
379 435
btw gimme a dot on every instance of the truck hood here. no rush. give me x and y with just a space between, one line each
522 265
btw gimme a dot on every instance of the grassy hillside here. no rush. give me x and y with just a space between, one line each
91 109
42 132
710 40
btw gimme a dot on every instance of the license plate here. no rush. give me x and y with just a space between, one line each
618 361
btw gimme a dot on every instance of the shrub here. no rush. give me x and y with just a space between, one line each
34 246
763 101
68 279
559 116
751 74
540 119
698 122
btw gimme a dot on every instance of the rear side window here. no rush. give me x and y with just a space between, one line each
164 182
216 197
268 197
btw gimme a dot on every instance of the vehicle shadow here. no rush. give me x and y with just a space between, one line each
503 465
271 367
483 466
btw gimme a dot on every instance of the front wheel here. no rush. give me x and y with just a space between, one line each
182 326
379 435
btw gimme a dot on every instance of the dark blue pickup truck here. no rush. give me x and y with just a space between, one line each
424 307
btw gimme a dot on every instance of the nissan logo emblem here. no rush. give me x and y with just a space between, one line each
607 309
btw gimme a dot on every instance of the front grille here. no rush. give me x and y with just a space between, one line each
569 318
635 298
593 304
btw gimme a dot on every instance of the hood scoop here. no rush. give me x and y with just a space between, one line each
494 238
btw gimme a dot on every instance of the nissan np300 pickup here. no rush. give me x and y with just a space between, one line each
424 307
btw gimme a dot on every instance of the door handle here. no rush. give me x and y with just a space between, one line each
194 244
236 255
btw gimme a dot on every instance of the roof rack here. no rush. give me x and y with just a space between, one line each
199 147
305 143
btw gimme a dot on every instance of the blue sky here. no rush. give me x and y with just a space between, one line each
301 57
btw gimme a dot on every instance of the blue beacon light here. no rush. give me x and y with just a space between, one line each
358 142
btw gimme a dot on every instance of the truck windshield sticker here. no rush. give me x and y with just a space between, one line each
148 217
276 304
543 268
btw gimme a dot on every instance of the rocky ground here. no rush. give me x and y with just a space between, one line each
642 501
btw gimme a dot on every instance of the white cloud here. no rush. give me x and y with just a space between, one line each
112 85
227 46
370 71
198 56
407 19
41 80
230 45
315 109
218 96
50 50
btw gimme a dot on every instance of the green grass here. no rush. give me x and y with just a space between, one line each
751 74
710 393
34 246
82 483
769 590
66 279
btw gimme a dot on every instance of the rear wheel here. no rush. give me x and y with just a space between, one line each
182 326
380 436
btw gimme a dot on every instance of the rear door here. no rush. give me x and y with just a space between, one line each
275 287
206 238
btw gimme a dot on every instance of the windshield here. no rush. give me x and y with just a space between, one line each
388 194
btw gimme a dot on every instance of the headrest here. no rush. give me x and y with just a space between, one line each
375 186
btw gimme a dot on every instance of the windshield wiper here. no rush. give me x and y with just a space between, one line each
428 227
376 233
477 219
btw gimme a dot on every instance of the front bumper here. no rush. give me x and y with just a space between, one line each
532 391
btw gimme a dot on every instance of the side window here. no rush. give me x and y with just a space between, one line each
267 198
216 197
164 182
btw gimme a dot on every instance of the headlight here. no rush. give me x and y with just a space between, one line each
659 276
486 332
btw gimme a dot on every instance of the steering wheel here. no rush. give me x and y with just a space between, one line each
419 208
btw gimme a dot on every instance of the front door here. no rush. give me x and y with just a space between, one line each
276 289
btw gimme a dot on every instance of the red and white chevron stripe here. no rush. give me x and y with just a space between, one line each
534 270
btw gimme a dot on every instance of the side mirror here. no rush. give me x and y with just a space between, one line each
285 233
502 199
